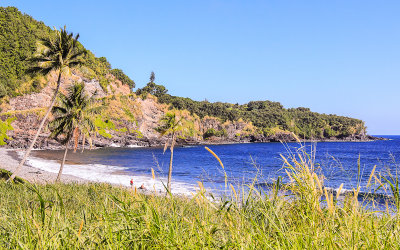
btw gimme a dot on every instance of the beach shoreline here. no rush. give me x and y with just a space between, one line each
182 143
9 160
34 171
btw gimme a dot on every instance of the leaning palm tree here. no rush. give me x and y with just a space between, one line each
170 126
74 116
61 52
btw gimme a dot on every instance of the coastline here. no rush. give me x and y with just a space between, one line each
35 171
148 143
9 160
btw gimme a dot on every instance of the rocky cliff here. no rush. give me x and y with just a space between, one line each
127 121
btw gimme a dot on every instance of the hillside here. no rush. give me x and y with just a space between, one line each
19 34
129 118
267 118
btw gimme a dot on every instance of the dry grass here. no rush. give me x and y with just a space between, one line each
299 215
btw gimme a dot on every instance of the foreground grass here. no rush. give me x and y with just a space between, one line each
102 216
300 214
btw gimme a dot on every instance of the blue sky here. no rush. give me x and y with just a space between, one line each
340 57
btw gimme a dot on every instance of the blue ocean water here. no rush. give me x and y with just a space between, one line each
337 160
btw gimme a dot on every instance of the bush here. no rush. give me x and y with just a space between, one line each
120 75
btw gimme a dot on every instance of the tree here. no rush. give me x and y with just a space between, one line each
170 126
152 76
60 53
74 116
153 89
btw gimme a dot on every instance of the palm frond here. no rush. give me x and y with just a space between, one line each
77 55
38 70
60 51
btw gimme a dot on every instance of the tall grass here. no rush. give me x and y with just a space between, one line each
299 214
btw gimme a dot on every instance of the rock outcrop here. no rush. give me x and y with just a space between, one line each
135 119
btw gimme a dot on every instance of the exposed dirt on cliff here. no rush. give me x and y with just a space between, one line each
151 113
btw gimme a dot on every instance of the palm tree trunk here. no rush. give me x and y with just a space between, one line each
170 164
76 138
62 163
53 100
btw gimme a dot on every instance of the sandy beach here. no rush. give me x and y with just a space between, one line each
9 160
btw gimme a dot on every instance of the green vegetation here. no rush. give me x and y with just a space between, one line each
4 175
152 88
5 126
100 216
103 126
18 39
19 36
119 74
267 115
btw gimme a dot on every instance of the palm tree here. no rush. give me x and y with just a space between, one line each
170 126
60 53
74 116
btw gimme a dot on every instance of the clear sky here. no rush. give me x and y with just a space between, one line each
340 57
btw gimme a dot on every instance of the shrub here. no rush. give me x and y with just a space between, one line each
120 75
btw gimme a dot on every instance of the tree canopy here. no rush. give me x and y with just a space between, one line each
153 89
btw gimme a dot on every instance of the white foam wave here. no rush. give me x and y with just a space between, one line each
190 146
134 146
110 174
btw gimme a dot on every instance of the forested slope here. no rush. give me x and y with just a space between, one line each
267 116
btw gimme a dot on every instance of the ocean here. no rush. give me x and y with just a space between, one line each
338 161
